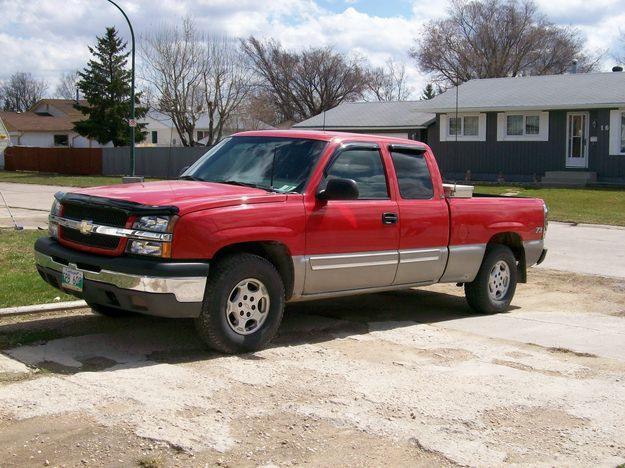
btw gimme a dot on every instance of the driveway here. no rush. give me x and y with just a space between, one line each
407 378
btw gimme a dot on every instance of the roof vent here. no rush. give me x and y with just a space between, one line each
573 68
617 68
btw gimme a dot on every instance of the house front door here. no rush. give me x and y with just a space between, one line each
577 139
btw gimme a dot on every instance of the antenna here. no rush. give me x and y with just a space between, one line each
324 121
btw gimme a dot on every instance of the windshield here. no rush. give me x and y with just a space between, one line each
271 163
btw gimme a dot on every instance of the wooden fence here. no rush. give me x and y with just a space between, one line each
75 161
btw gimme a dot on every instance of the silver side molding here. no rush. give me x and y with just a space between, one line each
352 260
189 289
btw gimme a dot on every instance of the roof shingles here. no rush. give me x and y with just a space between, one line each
371 115
569 91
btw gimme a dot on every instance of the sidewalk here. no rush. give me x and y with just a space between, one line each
29 203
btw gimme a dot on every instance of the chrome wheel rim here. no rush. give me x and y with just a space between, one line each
499 281
248 306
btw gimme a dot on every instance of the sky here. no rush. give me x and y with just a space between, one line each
49 37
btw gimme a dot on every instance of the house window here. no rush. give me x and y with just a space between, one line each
521 124
154 137
201 134
467 125
61 140
471 124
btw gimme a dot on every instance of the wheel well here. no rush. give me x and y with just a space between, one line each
278 254
513 241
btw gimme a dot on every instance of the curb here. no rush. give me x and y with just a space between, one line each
40 308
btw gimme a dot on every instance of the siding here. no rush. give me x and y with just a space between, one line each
522 160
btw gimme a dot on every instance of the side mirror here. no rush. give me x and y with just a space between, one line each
339 189
183 170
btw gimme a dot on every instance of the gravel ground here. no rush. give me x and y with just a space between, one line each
395 379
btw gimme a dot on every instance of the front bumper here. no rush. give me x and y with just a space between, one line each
148 286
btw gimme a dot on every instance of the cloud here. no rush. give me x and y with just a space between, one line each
48 37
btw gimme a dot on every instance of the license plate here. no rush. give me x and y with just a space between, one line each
72 279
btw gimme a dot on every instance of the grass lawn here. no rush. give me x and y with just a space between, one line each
57 179
598 206
20 284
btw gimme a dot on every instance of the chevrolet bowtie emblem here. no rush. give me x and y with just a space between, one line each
85 227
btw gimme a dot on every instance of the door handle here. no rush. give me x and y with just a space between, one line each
389 218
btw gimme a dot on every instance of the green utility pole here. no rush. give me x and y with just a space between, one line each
132 122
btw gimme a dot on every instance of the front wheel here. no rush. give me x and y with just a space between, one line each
243 304
493 288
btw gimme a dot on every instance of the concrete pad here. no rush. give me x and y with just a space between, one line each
586 249
601 335
11 366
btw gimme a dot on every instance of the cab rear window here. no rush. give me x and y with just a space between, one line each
413 175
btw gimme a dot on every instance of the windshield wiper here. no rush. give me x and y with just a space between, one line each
190 177
246 184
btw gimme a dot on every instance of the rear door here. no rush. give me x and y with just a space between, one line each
352 244
423 216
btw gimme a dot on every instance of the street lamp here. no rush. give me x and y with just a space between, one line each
133 122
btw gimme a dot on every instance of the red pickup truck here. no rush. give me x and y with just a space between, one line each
270 217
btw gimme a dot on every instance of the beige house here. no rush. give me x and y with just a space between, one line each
49 123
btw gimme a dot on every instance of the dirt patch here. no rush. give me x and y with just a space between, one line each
292 440
531 434
388 352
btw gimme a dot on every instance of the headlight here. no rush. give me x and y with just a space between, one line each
153 223
56 208
53 228
152 248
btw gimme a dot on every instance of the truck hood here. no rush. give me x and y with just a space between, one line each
187 196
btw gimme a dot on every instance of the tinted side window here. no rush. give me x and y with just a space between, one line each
365 167
413 175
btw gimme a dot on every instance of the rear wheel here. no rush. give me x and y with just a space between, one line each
243 304
109 311
495 283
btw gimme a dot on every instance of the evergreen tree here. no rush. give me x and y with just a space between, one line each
106 85
428 92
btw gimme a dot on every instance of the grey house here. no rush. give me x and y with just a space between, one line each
558 128
567 129
406 119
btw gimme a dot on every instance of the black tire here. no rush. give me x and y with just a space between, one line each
477 292
213 324
109 311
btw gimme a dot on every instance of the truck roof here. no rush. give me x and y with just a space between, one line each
326 135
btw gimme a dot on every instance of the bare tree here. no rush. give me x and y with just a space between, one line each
174 68
21 92
68 86
303 84
619 55
389 83
497 38
226 82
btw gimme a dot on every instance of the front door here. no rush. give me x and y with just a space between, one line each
352 244
577 139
